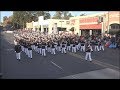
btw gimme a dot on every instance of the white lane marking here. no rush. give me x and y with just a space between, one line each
56 65
9 49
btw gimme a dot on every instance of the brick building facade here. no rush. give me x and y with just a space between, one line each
97 23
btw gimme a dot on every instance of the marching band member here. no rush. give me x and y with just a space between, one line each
76 45
32 45
18 51
68 45
53 48
63 48
25 47
40 42
43 49
101 45
39 48
82 46
88 53
71 42
90 45
55 44
79 45
48 47
15 42
36 46
29 51
96 45
58 46
73 47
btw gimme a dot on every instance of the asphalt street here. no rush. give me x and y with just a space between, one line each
54 66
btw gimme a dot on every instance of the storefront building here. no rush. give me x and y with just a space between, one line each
49 26
96 24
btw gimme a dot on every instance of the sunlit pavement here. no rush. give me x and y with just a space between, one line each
60 66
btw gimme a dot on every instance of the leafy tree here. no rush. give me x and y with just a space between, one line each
70 15
62 15
83 14
7 21
47 15
5 18
20 18
65 15
58 15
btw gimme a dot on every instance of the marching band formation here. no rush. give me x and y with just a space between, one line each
28 41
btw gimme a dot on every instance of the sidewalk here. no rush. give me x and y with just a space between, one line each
97 74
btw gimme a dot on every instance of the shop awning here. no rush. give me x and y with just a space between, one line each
91 26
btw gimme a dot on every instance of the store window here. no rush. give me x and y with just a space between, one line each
67 22
115 26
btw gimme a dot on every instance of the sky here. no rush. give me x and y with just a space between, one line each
5 13
74 13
